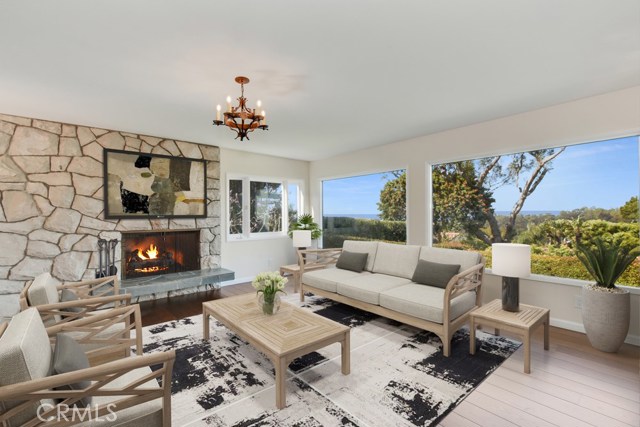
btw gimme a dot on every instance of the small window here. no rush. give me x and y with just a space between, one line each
261 207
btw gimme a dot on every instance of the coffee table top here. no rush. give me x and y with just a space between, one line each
288 331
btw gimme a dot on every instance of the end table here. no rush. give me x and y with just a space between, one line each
520 323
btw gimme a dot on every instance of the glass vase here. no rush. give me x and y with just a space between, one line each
270 304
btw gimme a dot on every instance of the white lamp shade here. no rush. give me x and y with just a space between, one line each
301 238
511 259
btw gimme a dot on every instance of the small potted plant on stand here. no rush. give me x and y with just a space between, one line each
267 286
605 307
305 222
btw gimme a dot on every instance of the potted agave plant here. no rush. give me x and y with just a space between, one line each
605 307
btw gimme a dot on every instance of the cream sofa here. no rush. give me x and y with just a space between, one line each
385 286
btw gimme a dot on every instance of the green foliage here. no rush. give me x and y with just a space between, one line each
305 222
339 229
459 201
606 261
629 211
393 198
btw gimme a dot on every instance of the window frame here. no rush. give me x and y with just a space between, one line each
246 206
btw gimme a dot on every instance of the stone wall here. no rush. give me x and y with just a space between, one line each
51 200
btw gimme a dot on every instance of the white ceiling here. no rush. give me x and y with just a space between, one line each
334 75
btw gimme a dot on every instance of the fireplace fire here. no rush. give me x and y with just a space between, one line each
159 252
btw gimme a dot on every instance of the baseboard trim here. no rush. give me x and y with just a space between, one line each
238 281
579 327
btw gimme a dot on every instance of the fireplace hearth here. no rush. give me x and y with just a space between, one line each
157 252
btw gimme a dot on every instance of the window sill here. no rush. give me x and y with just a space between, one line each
567 282
256 238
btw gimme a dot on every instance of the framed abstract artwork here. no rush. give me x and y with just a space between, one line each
143 185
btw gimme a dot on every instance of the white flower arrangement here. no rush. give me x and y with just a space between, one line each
269 284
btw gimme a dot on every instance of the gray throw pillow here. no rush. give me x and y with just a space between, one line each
354 261
434 274
69 295
68 356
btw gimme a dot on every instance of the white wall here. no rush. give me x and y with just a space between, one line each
250 257
596 118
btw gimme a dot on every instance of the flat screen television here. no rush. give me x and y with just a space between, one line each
143 185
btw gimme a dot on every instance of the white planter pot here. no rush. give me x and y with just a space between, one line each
606 316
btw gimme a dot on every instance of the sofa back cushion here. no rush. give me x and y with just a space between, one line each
369 247
396 260
25 354
466 259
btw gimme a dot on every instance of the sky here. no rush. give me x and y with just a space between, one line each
601 174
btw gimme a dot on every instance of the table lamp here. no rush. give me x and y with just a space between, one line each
511 261
301 238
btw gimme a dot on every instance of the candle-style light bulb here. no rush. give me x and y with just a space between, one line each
264 117
218 108
258 105
229 104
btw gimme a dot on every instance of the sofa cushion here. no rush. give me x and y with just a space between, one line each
425 302
354 261
466 259
68 356
367 288
43 290
396 260
68 295
326 279
143 415
25 354
371 248
434 273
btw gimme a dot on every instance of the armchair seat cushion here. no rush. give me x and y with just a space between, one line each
25 354
425 302
143 415
327 279
367 288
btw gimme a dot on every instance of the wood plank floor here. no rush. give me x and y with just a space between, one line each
570 385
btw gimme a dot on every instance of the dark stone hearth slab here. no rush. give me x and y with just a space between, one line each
141 286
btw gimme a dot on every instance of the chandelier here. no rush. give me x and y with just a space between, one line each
242 119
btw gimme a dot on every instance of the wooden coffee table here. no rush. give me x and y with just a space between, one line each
290 333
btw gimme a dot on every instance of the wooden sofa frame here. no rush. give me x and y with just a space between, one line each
101 374
465 281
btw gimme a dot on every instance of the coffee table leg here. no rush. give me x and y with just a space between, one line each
281 386
205 324
472 335
346 353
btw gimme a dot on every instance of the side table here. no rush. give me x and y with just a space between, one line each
294 270
520 323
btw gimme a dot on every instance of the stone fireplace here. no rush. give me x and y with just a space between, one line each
158 252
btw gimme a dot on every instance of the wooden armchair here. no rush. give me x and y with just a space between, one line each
128 392
71 301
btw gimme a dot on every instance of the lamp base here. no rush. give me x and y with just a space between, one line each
511 294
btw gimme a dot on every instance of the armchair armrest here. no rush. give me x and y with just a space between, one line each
321 258
96 332
103 286
124 396
86 307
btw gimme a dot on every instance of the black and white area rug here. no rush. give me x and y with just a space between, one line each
398 374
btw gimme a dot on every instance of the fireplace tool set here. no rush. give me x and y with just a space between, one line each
107 258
